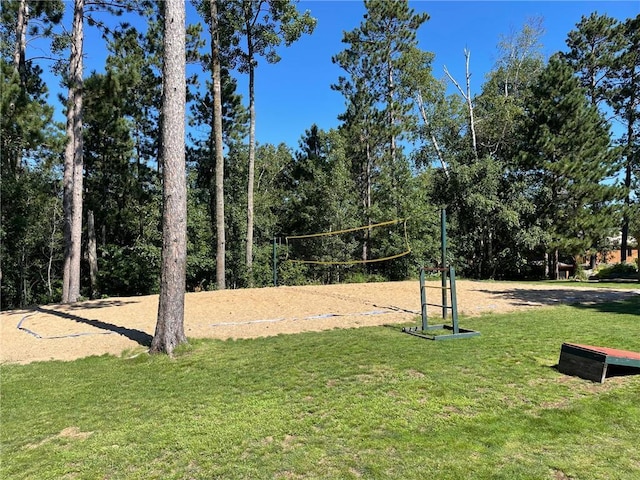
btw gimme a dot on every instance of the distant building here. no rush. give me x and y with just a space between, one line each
614 255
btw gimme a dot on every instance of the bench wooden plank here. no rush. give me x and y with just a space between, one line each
585 365
591 362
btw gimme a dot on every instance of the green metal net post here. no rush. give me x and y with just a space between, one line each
448 277
454 300
443 241
423 300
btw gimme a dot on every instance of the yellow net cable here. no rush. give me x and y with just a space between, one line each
348 230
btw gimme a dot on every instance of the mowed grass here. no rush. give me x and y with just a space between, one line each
620 285
357 403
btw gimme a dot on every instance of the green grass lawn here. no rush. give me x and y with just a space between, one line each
621 285
358 403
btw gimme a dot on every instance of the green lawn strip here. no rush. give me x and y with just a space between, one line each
359 403
628 284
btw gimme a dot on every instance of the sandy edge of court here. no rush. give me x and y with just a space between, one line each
117 325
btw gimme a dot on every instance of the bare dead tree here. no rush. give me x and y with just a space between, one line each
434 141
467 97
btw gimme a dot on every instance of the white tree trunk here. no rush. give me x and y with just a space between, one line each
436 146
467 96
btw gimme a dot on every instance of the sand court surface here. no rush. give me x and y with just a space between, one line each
115 325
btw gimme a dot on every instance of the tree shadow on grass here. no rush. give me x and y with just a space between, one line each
628 306
138 336
612 301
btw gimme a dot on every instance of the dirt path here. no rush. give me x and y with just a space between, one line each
67 332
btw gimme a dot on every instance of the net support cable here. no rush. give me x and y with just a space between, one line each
349 230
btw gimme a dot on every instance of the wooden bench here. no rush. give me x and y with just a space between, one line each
591 363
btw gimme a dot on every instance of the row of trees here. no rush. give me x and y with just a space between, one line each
542 165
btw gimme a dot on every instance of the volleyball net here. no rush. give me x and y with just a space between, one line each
360 245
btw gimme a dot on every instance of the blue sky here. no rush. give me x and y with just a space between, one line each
296 92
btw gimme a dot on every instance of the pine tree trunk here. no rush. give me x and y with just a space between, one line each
20 35
624 244
52 249
252 154
632 149
73 164
391 127
219 161
169 331
624 231
19 68
491 263
92 253
21 40
367 201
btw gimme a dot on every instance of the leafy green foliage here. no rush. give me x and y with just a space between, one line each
30 208
319 181
604 53
541 182
122 188
488 208
129 270
591 54
488 198
25 115
618 270
30 233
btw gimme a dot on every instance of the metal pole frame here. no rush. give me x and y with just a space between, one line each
449 271
443 264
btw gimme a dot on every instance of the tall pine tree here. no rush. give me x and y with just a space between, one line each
569 152
605 54
379 103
